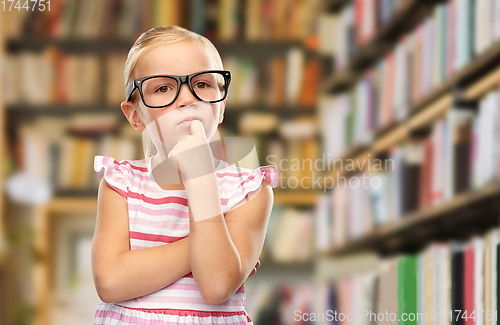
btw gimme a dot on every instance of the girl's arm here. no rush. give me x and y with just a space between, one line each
223 250
121 274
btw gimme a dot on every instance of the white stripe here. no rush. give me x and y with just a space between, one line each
161 231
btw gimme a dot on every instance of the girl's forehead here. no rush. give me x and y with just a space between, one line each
178 58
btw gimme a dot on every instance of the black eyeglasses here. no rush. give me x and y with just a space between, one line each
162 90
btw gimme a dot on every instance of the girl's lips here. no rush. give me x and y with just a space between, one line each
187 122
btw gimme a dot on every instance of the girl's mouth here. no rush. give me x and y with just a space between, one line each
187 121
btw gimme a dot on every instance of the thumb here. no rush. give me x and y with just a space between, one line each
196 127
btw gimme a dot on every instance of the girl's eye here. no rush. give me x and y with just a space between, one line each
201 85
162 89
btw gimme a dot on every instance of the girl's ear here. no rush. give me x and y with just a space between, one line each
222 110
132 115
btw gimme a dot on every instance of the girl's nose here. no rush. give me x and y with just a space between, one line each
186 97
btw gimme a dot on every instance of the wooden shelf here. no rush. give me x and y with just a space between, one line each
296 197
334 5
412 231
65 109
404 18
72 205
271 266
259 49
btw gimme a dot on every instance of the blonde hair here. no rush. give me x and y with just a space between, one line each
151 39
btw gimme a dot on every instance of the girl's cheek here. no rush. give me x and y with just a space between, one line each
162 131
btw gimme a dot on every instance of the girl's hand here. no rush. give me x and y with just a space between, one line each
192 154
253 271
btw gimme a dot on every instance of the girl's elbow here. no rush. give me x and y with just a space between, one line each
215 296
105 289
216 292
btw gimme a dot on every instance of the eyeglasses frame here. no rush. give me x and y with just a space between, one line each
137 84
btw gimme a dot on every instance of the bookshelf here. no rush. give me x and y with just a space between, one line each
468 83
449 237
423 116
472 209
43 273
404 16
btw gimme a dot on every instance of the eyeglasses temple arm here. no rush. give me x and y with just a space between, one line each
130 89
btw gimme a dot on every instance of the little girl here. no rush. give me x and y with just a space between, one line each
178 232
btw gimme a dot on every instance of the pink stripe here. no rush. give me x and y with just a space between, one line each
188 312
231 181
164 212
159 224
181 286
143 177
140 320
121 192
250 178
233 174
192 287
184 300
164 200
144 186
153 237
132 247
142 169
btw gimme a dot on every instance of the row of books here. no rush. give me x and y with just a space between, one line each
290 233
53 76
267 20
357 24
119 19
60 151
295 160
291 79
456 154
447 283
224 20
444 43
448 39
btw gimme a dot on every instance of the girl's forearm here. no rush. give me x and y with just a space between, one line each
143 271
214 259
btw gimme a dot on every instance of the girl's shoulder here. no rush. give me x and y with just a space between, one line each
118 174
126 166
247 176
236 182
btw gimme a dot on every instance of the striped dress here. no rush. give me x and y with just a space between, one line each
157 217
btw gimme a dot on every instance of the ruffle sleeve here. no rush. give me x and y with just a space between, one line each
117 175
250 182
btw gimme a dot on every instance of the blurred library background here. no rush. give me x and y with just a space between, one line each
382 117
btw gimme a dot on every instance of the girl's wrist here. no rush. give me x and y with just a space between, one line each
195 162
203 197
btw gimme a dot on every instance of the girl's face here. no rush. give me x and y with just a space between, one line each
164 125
